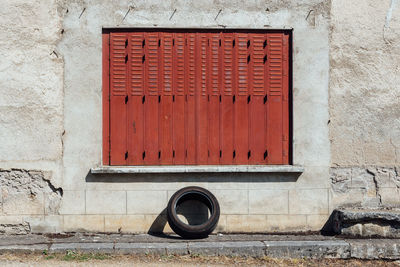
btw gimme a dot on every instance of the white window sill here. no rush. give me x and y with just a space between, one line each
199 169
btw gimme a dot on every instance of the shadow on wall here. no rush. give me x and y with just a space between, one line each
194 178
157 227
190 213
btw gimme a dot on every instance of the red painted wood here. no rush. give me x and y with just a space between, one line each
214 105
195 98
179 125
151 107
191 122
241 119
267 105
118 107
165 104
275 123
285 104
202 74
135 102
227 99
257 145
106 101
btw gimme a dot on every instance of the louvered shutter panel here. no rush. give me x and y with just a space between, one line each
118 91
227 99
278 103
198 98
202 99
190 131
165 101
151 107
179 86
257 108
214 111
135 102
241 122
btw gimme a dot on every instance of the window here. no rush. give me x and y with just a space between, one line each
195 97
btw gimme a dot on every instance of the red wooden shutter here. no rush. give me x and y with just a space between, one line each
241 122
258 114
190 131
118 110
165 101
135 102
278 109
179 85
197 97
227 99
214 113
202 99
151 107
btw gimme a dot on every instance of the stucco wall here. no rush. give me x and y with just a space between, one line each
249 202
31 114
364 103
31 87
50 115
364 88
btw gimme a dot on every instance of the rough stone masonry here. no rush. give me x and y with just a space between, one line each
346 120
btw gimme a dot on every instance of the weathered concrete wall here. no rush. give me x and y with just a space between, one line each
364 103
31 86
31 114
50 116
249 202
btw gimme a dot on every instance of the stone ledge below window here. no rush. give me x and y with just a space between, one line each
199 169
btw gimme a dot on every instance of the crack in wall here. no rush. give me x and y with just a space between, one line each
365 187
374 179
28 192
389 14
20 180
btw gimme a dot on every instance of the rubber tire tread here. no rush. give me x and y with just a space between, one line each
192 231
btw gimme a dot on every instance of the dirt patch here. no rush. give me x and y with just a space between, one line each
58 235
77 259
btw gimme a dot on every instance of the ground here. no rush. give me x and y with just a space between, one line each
76 259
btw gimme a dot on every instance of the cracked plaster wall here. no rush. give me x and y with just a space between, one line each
31 87
31 114
365 83
364 103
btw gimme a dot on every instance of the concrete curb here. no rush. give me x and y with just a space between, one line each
342 249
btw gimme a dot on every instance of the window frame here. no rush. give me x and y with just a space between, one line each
106 83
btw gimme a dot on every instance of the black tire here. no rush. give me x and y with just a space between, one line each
193 231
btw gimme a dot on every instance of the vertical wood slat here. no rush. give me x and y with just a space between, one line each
179 86
135 101
182 120
257 107
227 99
191 122
151 107
285 101
106 97
214 104
202 99
165 100
275 66
118 91
241 119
